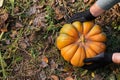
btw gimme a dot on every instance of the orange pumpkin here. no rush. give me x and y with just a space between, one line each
78 41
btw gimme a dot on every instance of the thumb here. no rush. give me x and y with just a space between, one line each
88 60
95 59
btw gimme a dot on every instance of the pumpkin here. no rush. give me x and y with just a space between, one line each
78 41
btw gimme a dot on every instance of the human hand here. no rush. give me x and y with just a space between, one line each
81 16
98 61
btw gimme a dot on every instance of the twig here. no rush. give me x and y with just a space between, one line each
45 49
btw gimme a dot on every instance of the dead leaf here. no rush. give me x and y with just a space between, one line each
93 74
40 20
59 13
85 1
54 77
44 64
23 45
32 10
51 2
14 34
53 65
60 2
43 75
35 9
4 29
39 7
98 77
44 61
7 41
3 17
72 1
16 9
32 37
31 22
1 3
18 25
50 40
69 78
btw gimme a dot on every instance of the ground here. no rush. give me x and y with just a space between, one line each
28 30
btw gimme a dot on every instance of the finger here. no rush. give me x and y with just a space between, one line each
94 60
75 17
70 20
94 66
88 60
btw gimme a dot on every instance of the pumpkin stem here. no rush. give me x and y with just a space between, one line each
82 38
79 40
